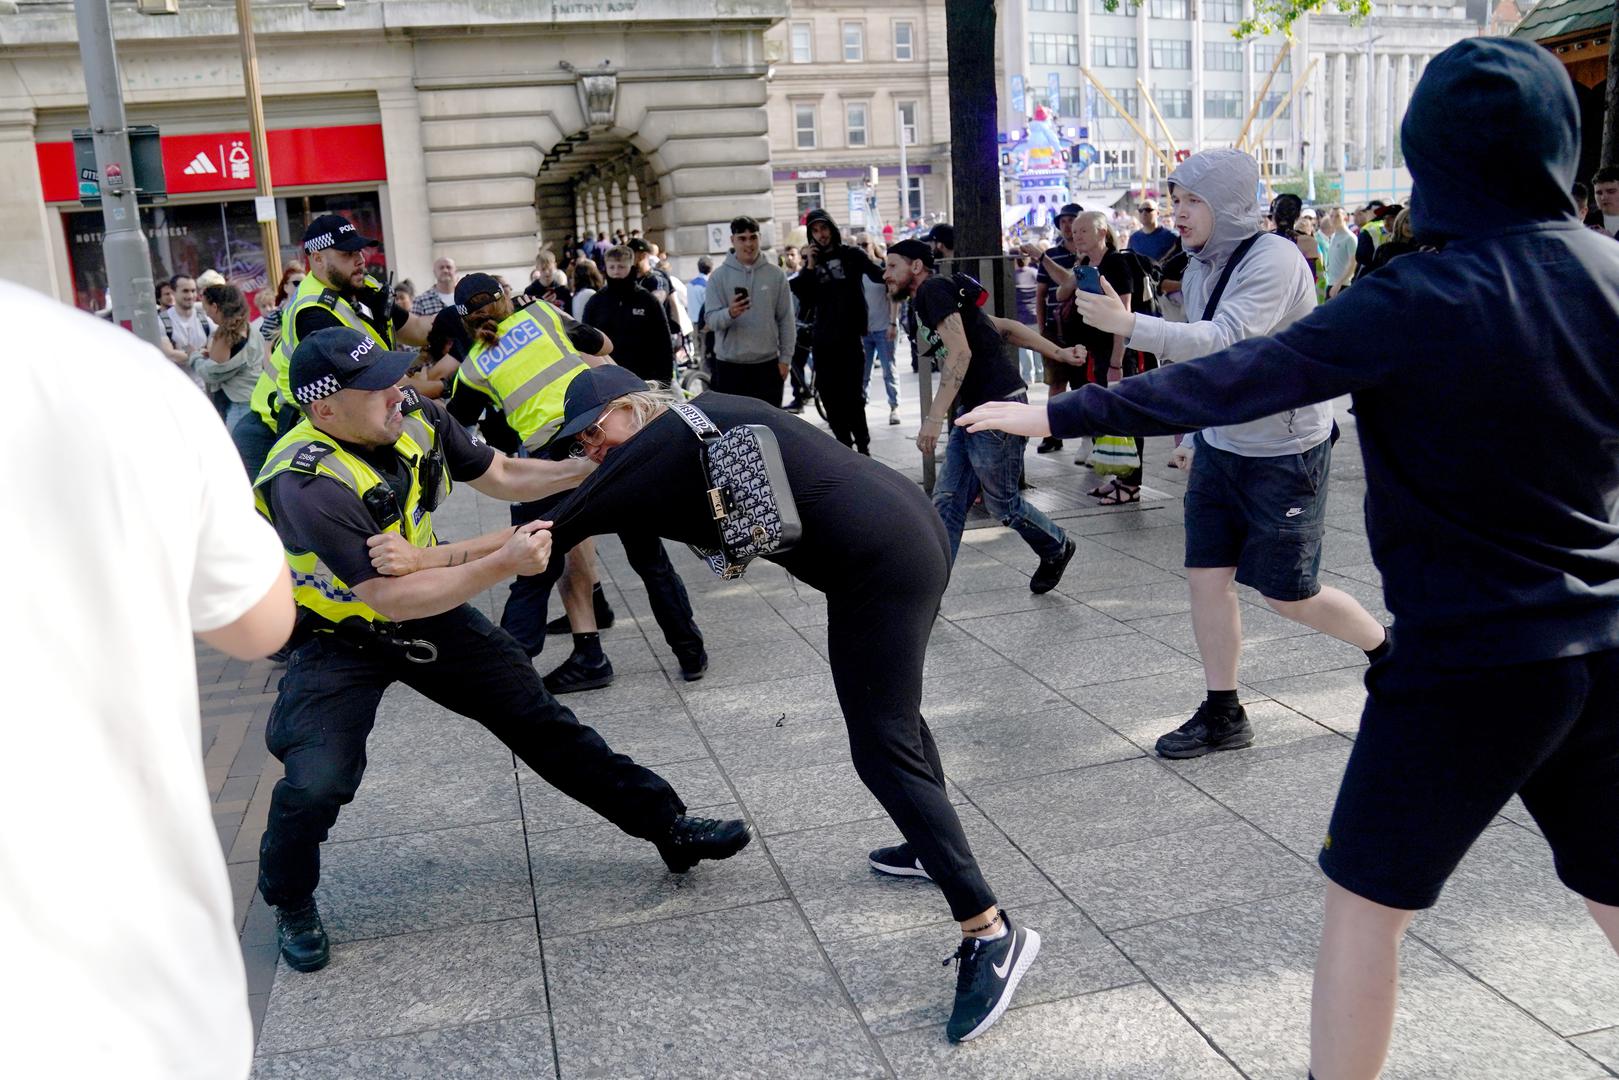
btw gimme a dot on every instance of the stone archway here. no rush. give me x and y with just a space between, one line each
595 182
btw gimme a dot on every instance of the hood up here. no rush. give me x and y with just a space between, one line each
1227 180
1514 164
821 215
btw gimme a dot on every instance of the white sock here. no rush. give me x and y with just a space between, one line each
997 935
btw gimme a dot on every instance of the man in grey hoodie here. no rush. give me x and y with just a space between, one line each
749 308
1256 497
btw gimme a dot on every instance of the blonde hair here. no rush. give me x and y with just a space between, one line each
1100 220
1402 229
647 404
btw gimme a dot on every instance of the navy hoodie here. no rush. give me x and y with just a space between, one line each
1485 377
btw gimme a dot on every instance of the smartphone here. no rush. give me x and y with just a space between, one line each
739 293
1090 279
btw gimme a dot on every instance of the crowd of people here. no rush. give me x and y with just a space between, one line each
356 408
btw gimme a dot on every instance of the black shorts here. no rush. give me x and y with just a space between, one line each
1440 753
1263 515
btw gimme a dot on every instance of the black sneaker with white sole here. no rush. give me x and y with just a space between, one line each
898 861
691 840
986 978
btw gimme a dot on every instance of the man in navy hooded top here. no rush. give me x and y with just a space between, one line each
1503 581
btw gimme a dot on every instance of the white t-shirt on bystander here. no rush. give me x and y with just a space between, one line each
129 525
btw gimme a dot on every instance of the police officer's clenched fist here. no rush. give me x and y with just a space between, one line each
529 549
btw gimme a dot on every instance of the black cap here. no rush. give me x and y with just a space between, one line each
592 391
474 291
1073 209
638 245
335 231
942 234
339 358
914 250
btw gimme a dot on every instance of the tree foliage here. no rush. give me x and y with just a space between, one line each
1278 16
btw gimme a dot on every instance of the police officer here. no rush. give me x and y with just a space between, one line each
351 490
519 366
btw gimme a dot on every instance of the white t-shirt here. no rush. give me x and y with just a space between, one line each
188 332
129 525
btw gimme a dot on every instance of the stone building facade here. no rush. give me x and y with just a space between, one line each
477 130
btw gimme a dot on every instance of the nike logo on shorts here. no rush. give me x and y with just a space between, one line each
1296 511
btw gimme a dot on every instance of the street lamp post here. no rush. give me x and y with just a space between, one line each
1369 95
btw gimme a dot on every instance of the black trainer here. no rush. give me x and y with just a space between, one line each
302 938
1048 445
1049 572
692 839
1208 730
604 615
899 861
575 674
693 667
987 978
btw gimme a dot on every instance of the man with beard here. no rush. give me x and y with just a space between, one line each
830 286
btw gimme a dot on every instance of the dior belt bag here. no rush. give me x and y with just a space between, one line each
748 493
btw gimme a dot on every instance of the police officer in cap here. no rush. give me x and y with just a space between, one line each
351 490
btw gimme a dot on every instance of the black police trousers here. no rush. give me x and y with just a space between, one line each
328 704
527 606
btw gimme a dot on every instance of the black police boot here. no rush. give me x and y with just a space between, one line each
692 839
604 614
302 938
693 666
576 673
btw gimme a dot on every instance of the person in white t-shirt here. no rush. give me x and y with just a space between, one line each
121 951
442 294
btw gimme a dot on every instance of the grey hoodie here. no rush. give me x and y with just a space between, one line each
1270 290
765 332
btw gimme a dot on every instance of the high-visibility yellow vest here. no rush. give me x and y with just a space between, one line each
527 372
306 449
1377 231
266 400
313 291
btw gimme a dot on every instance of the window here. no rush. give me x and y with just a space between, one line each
913 199
809 197
1099 7
1171 54
904 41
907 122
856 113
1127 96
1222 11
1118 164
1067 7
854 42
1272 102
1222 104
1068 102
1222 56
804 126
1265 56
1168 9
800 38
1113 52
1057 50
1174 104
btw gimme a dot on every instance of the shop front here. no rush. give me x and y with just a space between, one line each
208 220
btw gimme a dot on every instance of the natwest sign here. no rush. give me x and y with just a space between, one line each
223 161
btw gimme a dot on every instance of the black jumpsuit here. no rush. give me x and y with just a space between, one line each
875 546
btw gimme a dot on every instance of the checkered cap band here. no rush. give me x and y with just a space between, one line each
320 243
325 386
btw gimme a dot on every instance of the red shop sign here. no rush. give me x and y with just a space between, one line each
223 161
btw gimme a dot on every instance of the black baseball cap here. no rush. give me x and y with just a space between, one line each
1073 209
591 392
942 234
638 245
335 231
474 291
339 358
914 250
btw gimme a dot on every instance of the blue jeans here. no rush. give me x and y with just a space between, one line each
879 346
991 461
253 440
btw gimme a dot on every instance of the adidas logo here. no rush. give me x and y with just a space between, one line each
200 166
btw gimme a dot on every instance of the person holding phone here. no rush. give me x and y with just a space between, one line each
749 308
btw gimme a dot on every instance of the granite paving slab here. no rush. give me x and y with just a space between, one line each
1258 624
1130 1033
1274 725
898 982
809 798
426 796
1602 1046
742 993
1026 630
518 1048
1002 690
1108 659
829 874
652 737
1333 698
595 877
755 705
1001 748
1288 798
1243 975
699 784
424 881
408 983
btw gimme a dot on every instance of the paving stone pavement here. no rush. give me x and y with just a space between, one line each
485 927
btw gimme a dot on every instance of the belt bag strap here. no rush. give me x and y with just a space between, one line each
1225 275
697 420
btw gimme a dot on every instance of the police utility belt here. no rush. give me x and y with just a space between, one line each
748 494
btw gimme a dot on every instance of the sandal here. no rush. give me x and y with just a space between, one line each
1121 494
1103 491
